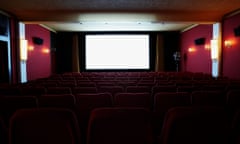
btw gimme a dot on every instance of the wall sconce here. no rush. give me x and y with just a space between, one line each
23 49
30 48
214 49
228 43
191 50
45 50
207 47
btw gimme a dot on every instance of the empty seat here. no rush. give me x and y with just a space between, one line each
85 103
235 129
127 83
183 83
49 84
214 87
67 83
232 87
166 100
208 98
188 89
166 88
9 104
233 99
111 89
138 89
62 101
9 90
3 132
85 84
59 90
133 100
33 91
106 83
84 90
44 126
149 83
164 83
120 126
195 125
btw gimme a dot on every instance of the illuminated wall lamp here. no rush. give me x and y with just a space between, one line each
30 48
228 43
23 49
45 50
207 47
191 50
214 49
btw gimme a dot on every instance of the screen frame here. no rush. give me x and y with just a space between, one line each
82 51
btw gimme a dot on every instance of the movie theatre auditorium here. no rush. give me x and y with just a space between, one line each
175 95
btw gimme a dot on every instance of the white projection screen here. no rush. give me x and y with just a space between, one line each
120 52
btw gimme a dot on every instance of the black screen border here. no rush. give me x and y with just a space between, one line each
82 50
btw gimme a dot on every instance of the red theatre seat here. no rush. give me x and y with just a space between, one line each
59 101
120 126
44 126
133 100
195 125
85 103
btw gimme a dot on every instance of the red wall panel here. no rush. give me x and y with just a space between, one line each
39 62
198 60
231 55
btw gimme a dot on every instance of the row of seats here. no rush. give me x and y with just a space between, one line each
130 75
101 117
83 104
147 81
117 82
186 125
133 78
39 90
143 99
214 97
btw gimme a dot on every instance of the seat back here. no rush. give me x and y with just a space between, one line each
195 125
133 100
85 103
119 126
10 104
166 100
111 89
84 90
44 126
59 90
208 98
60 101
138 89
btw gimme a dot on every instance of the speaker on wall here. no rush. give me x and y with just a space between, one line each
37 40
237 31
199 41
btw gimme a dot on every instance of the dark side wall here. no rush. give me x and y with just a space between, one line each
64 43
171 42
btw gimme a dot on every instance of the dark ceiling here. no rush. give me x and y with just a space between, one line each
110 15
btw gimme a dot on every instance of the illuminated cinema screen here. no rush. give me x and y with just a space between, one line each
117 52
